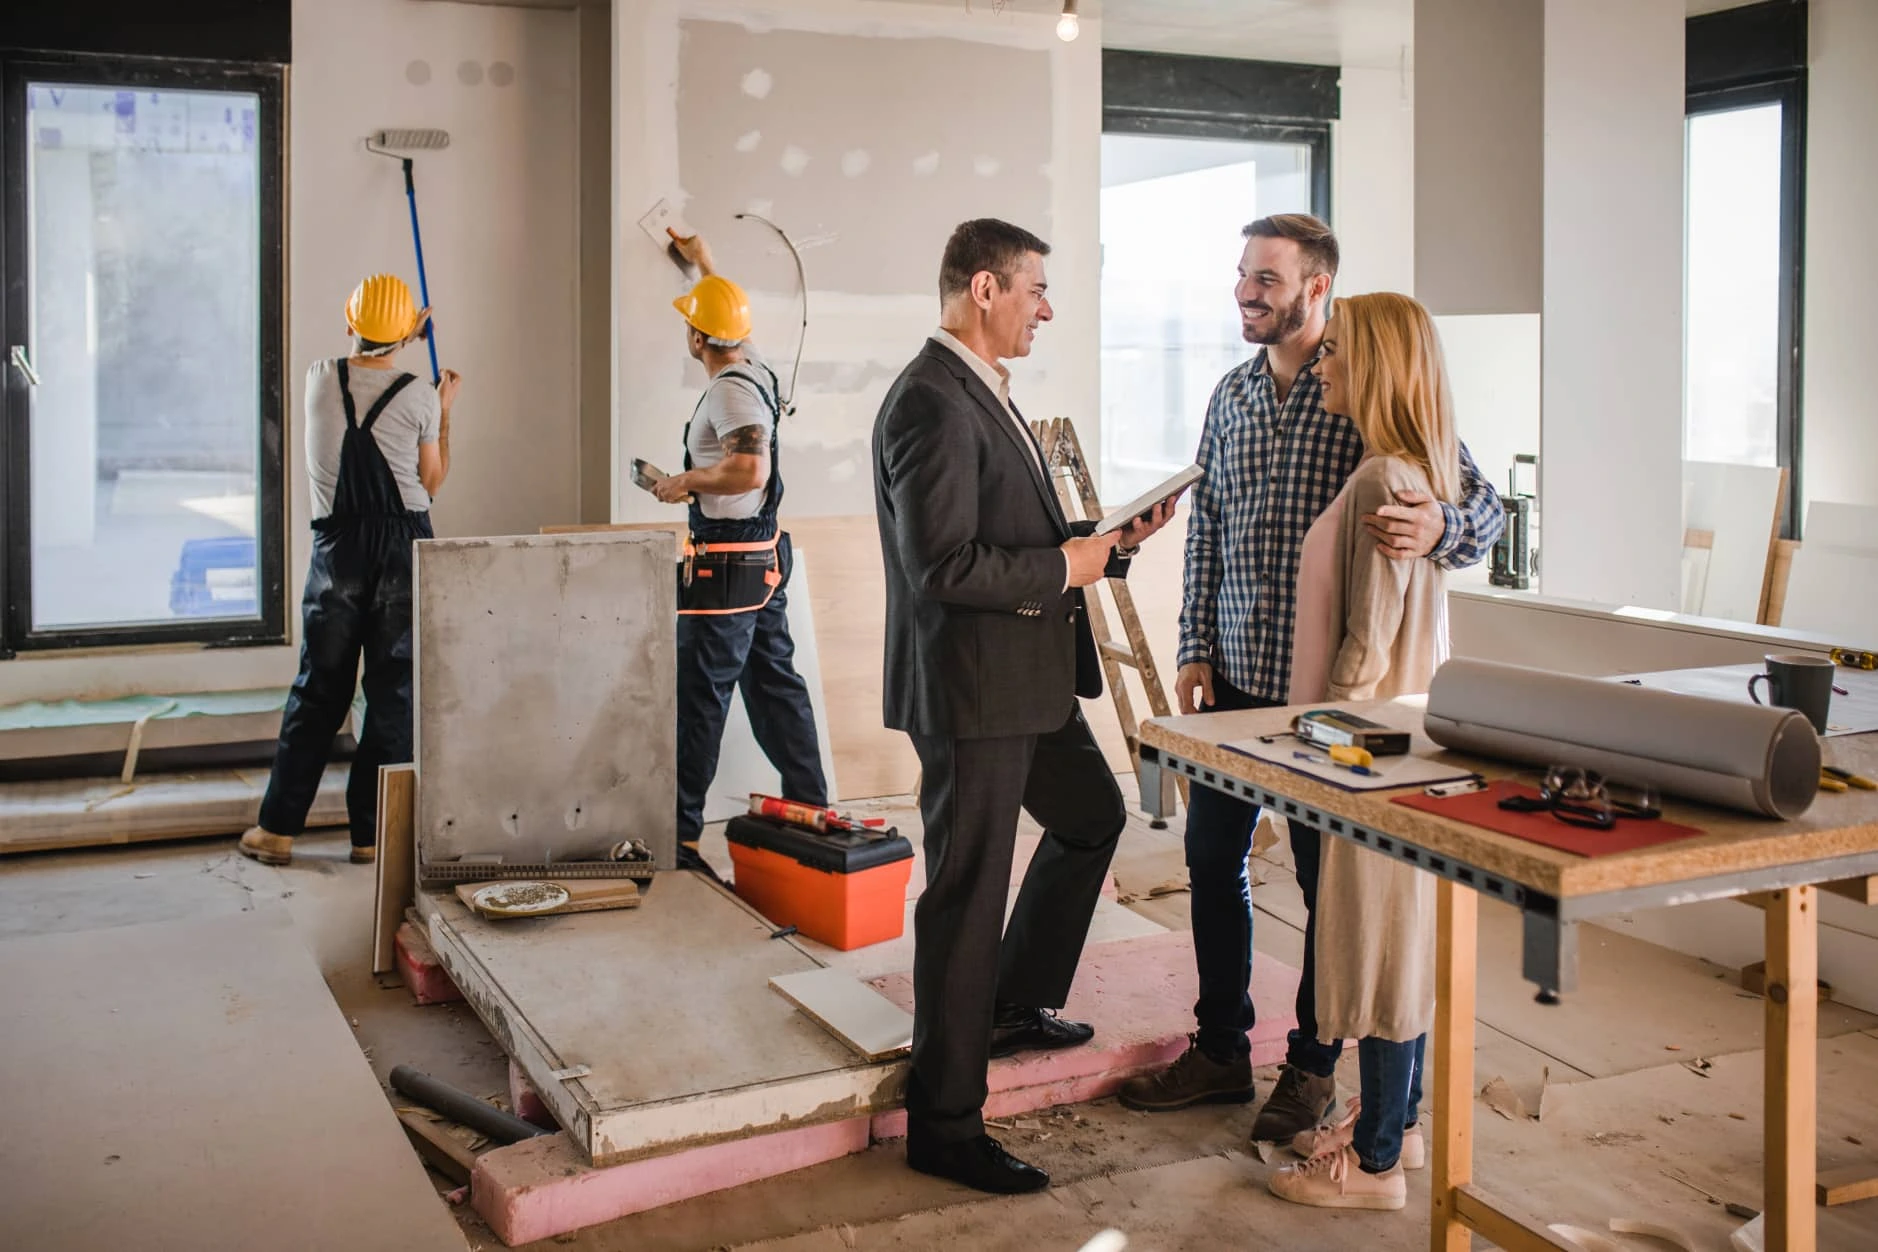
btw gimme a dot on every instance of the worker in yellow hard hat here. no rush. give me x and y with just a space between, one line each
377 450
733 625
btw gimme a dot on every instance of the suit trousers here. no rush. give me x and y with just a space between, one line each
966 959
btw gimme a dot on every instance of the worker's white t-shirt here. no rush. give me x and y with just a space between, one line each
414 416
733 401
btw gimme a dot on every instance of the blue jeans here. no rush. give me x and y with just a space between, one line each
1219 838
1391 1079
751 652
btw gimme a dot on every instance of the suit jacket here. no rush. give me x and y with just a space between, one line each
982 639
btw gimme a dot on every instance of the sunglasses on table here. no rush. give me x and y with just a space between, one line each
1584 797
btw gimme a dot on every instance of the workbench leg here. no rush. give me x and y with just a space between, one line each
1792 1079
1456 941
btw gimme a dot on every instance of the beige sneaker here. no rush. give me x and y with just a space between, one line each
268 849
1336 1181
1321 1139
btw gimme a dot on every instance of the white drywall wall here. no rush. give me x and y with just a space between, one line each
499 221
1840 424
1372 194
1012 116
1611 454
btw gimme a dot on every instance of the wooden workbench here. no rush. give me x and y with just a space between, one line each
1781 864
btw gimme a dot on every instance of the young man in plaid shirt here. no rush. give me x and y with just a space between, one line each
1274 461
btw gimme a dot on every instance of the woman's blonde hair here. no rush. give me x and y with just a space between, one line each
1398 384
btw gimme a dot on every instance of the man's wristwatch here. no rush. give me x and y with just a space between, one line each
1125 552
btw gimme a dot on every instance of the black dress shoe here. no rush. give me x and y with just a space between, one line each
981 1163
1020 1029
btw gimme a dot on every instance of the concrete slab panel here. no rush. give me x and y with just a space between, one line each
546 675
196 1089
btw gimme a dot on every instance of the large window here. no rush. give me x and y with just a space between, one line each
141 432
1193 148
1743 241
1170 328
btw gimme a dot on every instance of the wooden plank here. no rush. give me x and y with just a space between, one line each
1792 1070
584 895
441 1150
90 813
1739 507
197 1088
1779 570
1734 842
1503 1228
1858 890
397 859
1456 965
869 1023
849 596
1843 1186
677 530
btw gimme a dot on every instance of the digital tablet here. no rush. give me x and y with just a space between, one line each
1144 503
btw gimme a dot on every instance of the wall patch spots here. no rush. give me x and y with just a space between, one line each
794 161
748 141
985 167
926 166
501 73
757 83
417 73
470 73
854 162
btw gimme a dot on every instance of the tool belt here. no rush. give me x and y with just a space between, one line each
721 578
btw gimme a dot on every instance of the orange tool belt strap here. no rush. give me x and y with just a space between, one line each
716 579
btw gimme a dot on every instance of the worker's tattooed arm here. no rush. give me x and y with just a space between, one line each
745 467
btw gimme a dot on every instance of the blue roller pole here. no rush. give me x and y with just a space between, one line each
423 283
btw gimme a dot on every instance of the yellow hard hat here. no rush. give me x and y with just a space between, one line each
717 307
381 310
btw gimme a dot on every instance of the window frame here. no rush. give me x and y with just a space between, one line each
1192 97
266 81
1790 94
1739 58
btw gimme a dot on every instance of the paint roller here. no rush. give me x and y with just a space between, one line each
393 144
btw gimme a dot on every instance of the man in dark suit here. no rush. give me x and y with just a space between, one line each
987 649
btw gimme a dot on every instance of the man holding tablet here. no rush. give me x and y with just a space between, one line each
987 648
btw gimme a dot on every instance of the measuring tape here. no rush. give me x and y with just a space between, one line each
1855 659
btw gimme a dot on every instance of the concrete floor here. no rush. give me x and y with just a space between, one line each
1629 1130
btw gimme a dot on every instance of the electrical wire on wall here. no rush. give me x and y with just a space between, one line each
802 286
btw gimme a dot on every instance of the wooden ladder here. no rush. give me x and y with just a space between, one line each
1062 453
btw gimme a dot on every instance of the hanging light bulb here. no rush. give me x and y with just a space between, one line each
1067 26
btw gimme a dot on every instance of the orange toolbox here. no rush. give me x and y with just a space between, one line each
846 889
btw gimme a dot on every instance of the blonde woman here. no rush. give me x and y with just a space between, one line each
1369 627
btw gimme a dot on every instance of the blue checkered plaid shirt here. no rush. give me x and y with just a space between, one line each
1271 469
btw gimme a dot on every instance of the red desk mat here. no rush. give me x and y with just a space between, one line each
1482 808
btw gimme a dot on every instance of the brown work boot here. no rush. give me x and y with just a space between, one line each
364 854
1297 1103
1193 1078
268 849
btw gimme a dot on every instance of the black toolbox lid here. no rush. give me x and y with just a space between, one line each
839 853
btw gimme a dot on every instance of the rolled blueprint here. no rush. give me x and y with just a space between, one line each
1741 756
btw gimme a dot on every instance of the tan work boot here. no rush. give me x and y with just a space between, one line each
364 855
1193 1078
1298 1102
268 849
1321 1139
1335 1180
